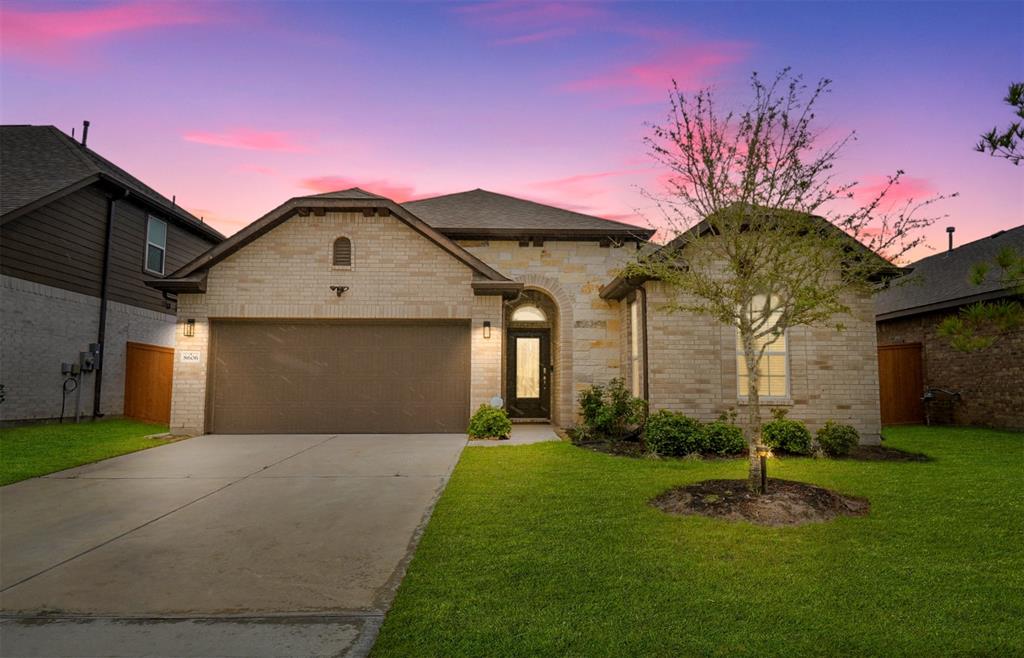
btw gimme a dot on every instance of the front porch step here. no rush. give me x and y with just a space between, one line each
530 420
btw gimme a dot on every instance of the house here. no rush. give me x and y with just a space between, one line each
78 237
984 387
348 312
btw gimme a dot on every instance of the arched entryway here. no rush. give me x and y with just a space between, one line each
531 352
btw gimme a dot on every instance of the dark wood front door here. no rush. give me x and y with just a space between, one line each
900 384
529 373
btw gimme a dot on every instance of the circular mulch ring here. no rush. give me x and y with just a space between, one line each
787 503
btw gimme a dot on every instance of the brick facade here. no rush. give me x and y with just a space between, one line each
287 273
833 374
587 349
990 381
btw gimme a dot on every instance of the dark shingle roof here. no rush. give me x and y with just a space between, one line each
41 161
943 280
344 195
479 212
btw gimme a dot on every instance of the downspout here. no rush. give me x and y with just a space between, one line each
104 285
643 325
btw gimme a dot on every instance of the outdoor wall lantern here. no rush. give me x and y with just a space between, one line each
762 453
189 328
487 328
339 290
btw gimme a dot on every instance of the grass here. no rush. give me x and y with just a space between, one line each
35 450
552 550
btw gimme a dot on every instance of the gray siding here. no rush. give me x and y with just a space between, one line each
61 245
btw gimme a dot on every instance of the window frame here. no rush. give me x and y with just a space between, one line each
535 307
351 253
162 247
636 379
743 397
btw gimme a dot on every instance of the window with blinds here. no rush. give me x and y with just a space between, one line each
774 368
342 253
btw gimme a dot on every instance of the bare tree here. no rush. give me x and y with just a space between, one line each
760 240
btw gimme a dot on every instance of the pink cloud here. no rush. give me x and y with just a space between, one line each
249 140
59 36
581 185
399 192
907 189
523 13
534 37
691 67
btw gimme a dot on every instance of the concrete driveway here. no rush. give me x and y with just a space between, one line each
204 546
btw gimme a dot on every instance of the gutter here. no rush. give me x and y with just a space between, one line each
101 333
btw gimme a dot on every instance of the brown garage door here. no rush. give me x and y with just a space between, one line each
331 377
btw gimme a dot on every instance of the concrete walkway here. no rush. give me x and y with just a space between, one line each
523 434
218 545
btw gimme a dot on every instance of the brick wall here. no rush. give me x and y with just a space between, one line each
833 374
287 273
42 326
589 328
990 382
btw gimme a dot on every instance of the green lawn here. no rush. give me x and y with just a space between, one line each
551 550
36 450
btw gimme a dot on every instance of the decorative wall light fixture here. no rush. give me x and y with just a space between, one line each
487 328
189 328
338 290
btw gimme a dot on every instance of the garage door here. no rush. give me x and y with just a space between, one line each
329 377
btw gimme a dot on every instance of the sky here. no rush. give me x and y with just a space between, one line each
235 107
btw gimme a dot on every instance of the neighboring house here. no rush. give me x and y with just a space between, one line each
347 312
984 387
78 236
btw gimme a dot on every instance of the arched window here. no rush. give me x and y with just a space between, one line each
342 253
528 314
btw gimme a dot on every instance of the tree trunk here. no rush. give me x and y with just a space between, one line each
753 412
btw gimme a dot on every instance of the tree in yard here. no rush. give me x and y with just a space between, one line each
980 325
763 236
1008 143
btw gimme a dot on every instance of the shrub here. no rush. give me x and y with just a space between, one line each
672 434
723 438
836 439
611 412
489 423
786 435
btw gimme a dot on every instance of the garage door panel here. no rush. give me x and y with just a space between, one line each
337 377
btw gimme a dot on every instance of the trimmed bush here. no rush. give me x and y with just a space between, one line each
489 423
610 412
672 434
786 435
723 438
836 439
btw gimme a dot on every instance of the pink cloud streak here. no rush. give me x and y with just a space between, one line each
56 36
907 189
690 67
248 140
398 192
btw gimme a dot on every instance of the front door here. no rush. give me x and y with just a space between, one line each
529 373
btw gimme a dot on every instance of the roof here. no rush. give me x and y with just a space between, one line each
481 214
620 286
192 277
39 164
944 280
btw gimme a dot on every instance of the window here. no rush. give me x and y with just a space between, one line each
342 253
528 314
156 245
634 346
774 370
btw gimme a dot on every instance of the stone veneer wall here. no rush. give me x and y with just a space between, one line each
396 274
589 331
42 326
833 374
990 381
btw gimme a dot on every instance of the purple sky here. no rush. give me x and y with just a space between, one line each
236 106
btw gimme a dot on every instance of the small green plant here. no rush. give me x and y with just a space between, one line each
672 434
489 423
837 439
723 438
786 435
610 412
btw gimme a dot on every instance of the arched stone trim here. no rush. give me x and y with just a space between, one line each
563 405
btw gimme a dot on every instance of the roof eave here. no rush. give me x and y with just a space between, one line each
945 304
507 289
626 235
180 285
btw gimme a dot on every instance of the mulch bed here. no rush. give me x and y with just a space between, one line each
881 453
620 448
787 503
